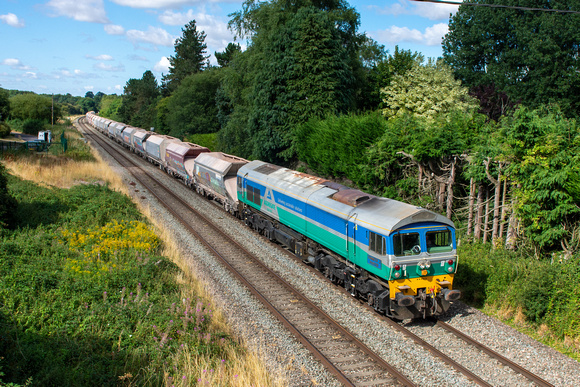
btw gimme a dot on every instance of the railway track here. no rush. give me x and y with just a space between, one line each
350 360
341 353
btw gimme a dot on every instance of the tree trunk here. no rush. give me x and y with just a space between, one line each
503 209
510 239
450 184
420 179
477 229
441 196
496 201
470 205
486 221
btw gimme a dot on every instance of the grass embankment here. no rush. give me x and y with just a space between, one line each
87 296
540 298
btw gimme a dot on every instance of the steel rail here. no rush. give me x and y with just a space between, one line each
505 361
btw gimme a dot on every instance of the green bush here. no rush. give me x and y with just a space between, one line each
4 130
32 126
86 300
8 204
546 292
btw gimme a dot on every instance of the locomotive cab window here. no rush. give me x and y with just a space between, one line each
406 244
239 182
439 241
253 194
377 243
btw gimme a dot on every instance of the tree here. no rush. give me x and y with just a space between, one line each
139 100
224 58
7 202
543 150
110 105
532 56
89 94
4 105
34 106
426 91
191 108
300 64
189 56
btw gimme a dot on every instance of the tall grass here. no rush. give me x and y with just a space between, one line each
538 297
90 295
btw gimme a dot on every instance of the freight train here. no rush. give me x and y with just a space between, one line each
398 257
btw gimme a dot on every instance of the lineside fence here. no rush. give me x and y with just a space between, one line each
26 146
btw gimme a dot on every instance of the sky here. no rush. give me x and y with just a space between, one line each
76 46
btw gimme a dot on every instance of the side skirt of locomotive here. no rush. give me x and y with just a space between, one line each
357 281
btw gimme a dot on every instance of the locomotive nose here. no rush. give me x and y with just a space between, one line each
451 295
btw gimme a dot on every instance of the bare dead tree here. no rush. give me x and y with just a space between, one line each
477 227
450 184
470 206
497 185
486 217
503 209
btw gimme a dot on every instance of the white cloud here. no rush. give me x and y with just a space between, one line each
154 35
394 35
15 64
12 20
430 11
88 88
100 57
217 33
92 11
162 66
106 67
156 3
113 29
29 75
171 18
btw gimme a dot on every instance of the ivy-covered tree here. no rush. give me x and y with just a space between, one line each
544 149
189 58
426 91
531 55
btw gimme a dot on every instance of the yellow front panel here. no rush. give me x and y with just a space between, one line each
432 284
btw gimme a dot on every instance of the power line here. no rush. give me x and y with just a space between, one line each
498 6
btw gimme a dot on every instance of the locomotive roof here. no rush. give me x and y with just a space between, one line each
382 214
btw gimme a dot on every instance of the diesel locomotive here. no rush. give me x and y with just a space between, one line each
398 257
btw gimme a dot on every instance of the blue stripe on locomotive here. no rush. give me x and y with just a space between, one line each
314 222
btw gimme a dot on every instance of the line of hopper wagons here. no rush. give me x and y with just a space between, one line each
398 257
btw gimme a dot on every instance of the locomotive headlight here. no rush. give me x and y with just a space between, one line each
428 265
450 269
422 267
397 275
